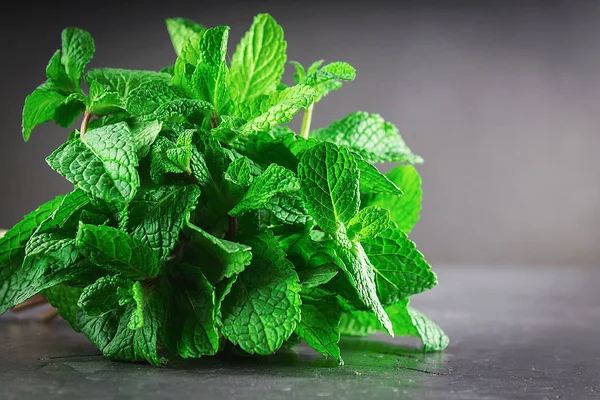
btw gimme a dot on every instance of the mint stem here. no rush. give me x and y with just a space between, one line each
306 121
84 123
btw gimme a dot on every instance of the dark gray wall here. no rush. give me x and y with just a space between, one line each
501 99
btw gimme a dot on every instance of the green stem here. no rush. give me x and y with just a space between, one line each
306 121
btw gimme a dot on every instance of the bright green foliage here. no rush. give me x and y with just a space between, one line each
370 136
404 210
198 221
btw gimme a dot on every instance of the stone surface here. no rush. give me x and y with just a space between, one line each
530 333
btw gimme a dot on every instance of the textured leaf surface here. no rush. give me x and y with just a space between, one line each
158 214
64 298
263 307
259 60
279 108
221 258
180 30
107 293
404 210
104 164
370 136
116 251
372 181
190 329
319 325
111 334
40 107
12 248
77 51
401 269
361 274
329 184
123 81
368 223
406 322
274 181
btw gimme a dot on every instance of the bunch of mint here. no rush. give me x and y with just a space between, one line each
198 222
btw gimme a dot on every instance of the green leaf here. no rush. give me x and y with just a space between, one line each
156 100
107 293
401 269
77 51
329 184
117 252
57 76
406 322
274 181
259 60
370 136
220 258
368 223
279 108
289 209
239 172
144 135
12 248
404 210
329 78
70 109
55 260
112 335
39 108
157 214
103 102
373 181
263 307
361 274
103 164
180 29
64 298
171 157
190 327
319 324
67 212
123 81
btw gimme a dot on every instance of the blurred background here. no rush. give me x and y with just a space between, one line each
501 99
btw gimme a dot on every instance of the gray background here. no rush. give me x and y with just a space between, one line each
500 98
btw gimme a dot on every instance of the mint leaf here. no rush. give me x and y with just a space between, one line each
274 181
70 109
368 223
123 81
319 324
107 293
280 108
157 100
111 333
406 321
326 79
329 185
67 212
190 327
289 209
171 157
64 298
58 79
103 164
373 181
263 307
180 29
144 134
404 210
259 60
222 258
12 249
116 251
158 214
77 51
361 274
39 108
370 136
401 269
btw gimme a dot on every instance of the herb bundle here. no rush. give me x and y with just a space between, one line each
198 221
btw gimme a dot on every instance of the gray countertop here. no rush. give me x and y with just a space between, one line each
516 333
